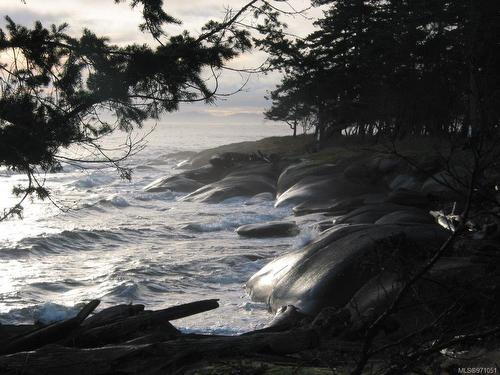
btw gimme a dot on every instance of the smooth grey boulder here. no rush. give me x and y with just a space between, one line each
406 216
251 180
447 185
179 184
408 198
405 181
384 164
361 172
259 198
373 298
369 214
334 206
187 181
320 189
328 271
434 291
269 229
374 198
294 173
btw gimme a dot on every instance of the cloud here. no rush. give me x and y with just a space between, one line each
120 24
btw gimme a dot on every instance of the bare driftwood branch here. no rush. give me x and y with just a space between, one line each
159 358
49 334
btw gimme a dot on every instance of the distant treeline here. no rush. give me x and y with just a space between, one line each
391 67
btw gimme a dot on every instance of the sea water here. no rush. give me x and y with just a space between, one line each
111 240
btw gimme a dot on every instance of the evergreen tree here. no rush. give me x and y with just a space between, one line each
396 67
54 87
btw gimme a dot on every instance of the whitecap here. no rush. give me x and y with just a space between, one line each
306 236
116 201
92 180
49 312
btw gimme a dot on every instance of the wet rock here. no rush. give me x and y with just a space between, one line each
370 213
294 173
373 299
269 229
230 159
408 198
259 198
320 189
374 198
251 180
360 172
179 184
406 216
405 181
335 206
328 271
447 185
187 181
287 317
421 304
386 165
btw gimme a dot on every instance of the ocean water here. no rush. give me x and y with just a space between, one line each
123 245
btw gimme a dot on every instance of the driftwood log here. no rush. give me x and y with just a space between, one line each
125 339
49 334
158 358
144 323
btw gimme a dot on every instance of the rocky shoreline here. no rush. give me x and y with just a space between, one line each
379 216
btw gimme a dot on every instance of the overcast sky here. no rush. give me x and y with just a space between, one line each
120 24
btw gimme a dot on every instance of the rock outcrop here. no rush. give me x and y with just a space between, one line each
269 229
331 269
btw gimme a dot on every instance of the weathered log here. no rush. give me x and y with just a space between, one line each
112 314
120 331
48 334
9 331
160 358
136 326
286 318
186 309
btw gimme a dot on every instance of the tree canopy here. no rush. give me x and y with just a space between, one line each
54 88
392 67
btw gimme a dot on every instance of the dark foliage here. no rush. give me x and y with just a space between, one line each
392 67
54 88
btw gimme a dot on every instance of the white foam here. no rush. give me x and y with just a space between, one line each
92 180
52 312
306 236
117 201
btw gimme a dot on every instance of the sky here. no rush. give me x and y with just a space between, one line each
120 24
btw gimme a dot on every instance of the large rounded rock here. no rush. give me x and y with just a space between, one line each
373 299
360 172
179 184
333 207
260 198
370 213
294 173
447 185
436 291
385 165
320 189
405 181
408 198
331 269
269 229
251 180
407 216
187 181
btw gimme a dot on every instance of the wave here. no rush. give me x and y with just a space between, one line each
44 313
115 201
91 180
306 236
77 239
